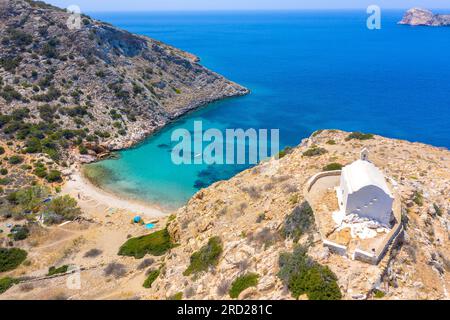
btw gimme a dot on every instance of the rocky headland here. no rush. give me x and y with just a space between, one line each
423 17
108 87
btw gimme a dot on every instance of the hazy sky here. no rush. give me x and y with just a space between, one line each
149 5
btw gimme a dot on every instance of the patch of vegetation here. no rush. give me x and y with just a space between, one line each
243 282
206 257
378 294
316 133
28 199
61 208
299 221
51 94
331 142
53 270
284 152
33 145
2 150
302 275
418 198
156 243
15 159
359 136
333 166
40 170
9 94
437 210
10 64
5 181
314 151
153 275
19 232
11 258
6 283
54 176
176 296
19 37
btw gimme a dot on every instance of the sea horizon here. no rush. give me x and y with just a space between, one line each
315 61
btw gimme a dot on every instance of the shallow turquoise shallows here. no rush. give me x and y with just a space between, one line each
307 71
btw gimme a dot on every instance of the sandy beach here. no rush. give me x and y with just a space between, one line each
93 200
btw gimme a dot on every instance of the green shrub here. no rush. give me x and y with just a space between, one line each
15 159
19 37
243 282
176 296
19 232
302 275
437 210
284 152
11 258
29 198
333 166
2 150
33 145
10 64
418 198
53 270
151 278
82 149
51 94
3 171
299 221
6 283
156 243
63 207
54 176
378 294
359 136
5 181
331 142
314 151
40 172
207 256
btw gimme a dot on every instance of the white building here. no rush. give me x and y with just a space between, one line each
363 191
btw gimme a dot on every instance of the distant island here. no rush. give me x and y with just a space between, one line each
423 17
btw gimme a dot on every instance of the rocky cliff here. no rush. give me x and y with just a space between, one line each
423 17
97 87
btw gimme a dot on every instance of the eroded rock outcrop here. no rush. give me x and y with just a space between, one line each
423 17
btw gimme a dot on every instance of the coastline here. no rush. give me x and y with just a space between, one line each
93 200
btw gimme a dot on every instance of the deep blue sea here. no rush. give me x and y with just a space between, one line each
307 70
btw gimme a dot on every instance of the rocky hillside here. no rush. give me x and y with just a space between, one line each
423 17
91 89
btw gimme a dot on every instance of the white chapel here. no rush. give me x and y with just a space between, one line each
363 191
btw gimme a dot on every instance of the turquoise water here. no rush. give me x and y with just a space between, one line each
307 71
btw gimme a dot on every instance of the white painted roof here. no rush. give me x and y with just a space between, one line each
362 173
